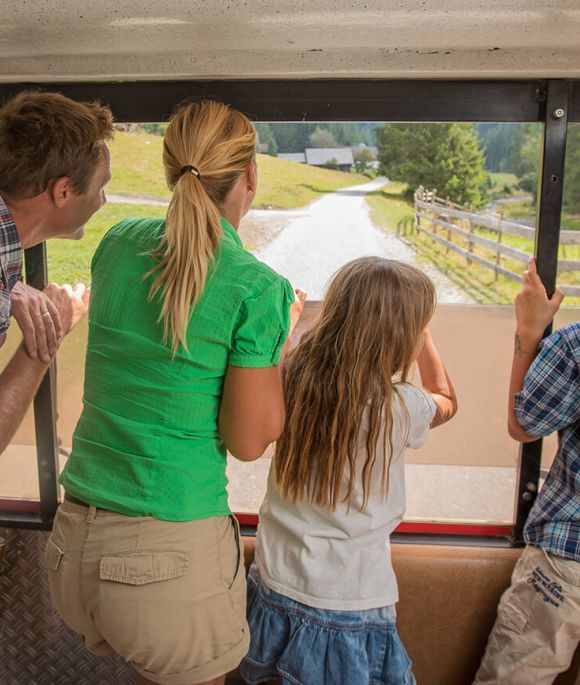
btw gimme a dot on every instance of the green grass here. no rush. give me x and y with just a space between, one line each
288 185
390 209
69 261
138 171
136 163
503 185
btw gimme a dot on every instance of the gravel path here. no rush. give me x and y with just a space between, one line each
308 245
332 231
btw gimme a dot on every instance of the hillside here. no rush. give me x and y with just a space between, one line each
138 172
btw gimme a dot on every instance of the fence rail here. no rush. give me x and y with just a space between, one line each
434 215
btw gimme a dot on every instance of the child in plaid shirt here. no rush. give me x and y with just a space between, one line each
537 628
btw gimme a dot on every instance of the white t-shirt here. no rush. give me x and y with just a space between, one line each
342 560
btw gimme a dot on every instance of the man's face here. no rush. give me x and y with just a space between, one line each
80 208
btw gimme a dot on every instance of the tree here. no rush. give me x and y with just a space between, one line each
447 157
272 147
332 164
362 156
572 175
322 137
265 136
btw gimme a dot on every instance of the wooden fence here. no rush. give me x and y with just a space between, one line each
441 220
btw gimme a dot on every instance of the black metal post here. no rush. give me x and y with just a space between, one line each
44 402
551 184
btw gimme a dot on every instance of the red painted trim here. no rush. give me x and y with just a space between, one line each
19 505
418 528
477 529
247 519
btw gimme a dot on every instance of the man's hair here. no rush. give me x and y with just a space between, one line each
44 136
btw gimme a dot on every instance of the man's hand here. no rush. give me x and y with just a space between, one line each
38 319
72 303
534 310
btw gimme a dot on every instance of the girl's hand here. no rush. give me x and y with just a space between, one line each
534 310
296 308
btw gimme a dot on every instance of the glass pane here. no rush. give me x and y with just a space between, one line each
569 255
328 193
19 478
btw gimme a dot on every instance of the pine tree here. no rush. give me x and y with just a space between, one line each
447 157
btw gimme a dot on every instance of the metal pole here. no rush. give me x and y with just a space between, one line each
551 184
44 402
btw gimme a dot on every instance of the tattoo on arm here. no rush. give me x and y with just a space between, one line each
518 346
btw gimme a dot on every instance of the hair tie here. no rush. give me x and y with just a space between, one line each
191 169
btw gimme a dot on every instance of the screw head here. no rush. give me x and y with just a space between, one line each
527 497
558 113
531 487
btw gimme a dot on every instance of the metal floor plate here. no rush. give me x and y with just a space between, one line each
36 648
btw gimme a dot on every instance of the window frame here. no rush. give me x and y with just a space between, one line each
551 102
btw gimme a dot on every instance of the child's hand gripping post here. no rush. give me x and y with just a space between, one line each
534 312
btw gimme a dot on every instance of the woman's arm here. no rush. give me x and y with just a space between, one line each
252 408
436 381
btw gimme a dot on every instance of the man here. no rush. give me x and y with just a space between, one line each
538 622
54 165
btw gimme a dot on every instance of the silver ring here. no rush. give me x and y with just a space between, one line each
46 314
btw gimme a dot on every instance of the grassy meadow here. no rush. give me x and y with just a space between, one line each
138 173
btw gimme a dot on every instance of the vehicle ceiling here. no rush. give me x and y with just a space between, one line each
66 40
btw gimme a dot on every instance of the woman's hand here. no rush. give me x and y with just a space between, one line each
296 308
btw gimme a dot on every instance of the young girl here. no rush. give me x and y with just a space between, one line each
322 591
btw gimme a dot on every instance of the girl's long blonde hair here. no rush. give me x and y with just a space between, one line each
369 330
220 143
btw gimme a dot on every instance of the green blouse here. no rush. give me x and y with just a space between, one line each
147 442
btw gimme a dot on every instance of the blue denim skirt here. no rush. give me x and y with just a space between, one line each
302 645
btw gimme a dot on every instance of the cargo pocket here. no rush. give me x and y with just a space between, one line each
141 568
53 555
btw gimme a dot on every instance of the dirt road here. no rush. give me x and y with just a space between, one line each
331 232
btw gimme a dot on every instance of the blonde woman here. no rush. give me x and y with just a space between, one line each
186 330
322 591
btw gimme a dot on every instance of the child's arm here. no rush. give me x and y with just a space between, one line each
436 381
534 311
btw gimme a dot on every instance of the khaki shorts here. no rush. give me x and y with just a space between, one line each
169 597
538 623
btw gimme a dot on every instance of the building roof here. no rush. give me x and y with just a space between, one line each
317 156
293 156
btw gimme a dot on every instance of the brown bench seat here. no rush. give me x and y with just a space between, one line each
448 601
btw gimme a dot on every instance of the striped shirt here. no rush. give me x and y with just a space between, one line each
550 401
10 263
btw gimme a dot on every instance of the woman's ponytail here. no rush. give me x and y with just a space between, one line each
207 146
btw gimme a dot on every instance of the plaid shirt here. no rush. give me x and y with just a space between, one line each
550 401
10 263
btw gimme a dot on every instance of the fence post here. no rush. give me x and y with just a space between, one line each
449 219
471 228
433 211
499 236
418 196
